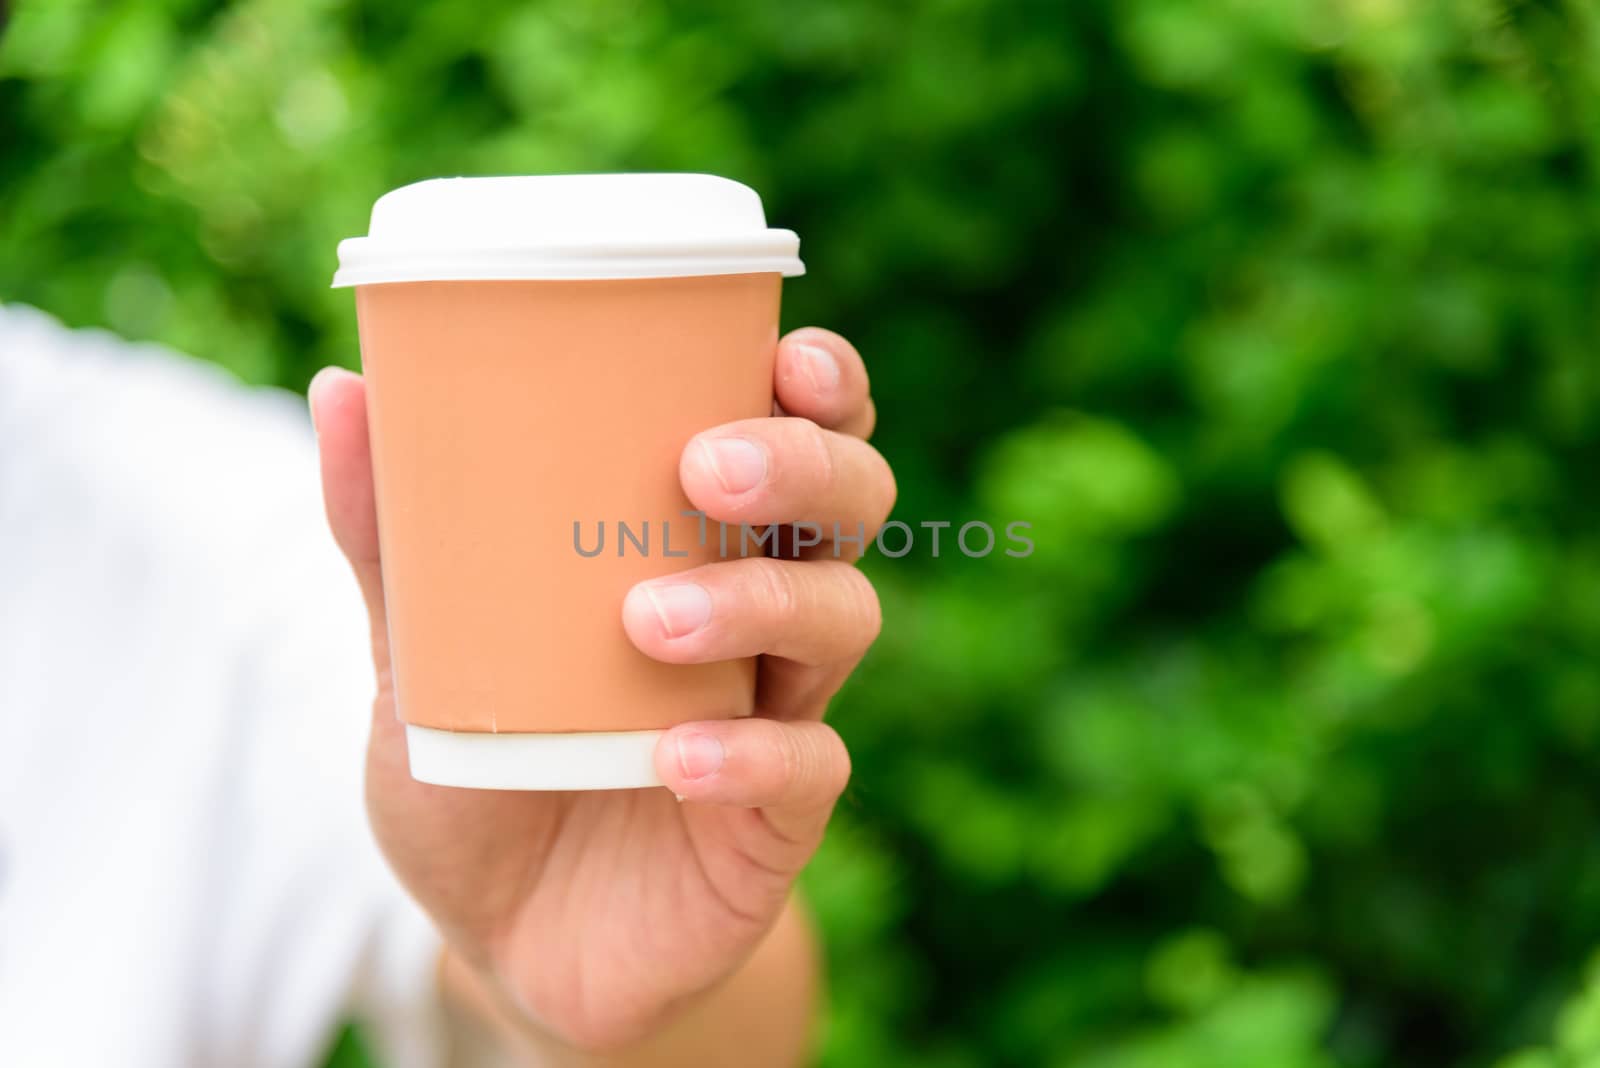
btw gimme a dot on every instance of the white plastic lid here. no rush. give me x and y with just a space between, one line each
563 226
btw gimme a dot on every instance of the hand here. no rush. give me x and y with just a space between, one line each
599 914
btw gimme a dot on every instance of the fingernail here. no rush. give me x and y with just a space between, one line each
820 366
699 755
682 607
740 465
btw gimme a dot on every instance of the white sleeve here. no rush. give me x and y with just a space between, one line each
235 904
314 926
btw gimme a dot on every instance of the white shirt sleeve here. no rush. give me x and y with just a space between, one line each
185 686
317 926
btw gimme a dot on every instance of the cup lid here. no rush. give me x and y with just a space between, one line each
566 226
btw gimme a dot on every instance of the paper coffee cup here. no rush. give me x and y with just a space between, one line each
538 351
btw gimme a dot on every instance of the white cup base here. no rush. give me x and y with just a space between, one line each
594 760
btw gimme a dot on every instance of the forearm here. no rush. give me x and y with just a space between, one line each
762 1014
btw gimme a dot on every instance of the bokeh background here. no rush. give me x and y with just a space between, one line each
1276 318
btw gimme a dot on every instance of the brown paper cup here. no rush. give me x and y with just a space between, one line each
526 434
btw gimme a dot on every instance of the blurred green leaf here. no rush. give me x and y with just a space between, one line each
1275 321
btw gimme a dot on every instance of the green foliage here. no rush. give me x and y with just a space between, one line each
1276 319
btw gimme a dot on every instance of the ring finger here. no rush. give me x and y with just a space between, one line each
813 613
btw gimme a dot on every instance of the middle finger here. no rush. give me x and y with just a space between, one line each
787 470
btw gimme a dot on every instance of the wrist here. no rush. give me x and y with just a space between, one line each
760 1012
491 1006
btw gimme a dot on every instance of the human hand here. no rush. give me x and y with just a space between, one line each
601 914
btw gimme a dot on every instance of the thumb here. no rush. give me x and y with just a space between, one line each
338 400
793 770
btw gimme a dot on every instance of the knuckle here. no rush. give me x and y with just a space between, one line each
816 459
869 418
775 589
888 487
792 761
861 610
833 763
810 763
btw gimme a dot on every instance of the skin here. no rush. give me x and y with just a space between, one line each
656 926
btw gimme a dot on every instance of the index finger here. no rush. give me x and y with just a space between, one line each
820 376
